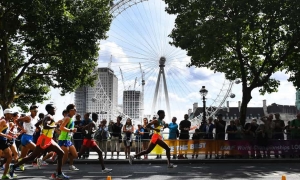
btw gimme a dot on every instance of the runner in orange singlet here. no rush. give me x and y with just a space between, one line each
156 139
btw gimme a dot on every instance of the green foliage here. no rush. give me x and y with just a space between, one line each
244 39
45 44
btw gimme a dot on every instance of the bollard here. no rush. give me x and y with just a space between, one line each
108 178
283 177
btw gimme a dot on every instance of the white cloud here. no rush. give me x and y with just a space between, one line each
111 48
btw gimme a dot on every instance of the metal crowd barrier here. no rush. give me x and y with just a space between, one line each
210 143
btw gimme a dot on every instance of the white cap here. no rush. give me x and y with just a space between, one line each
8 111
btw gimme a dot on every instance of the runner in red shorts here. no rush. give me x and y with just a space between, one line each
156 139
45 143
89 141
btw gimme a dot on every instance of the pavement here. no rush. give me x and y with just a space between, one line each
190 171
93 159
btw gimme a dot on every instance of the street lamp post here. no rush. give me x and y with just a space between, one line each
203 93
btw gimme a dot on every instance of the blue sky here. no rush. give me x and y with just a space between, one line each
140 35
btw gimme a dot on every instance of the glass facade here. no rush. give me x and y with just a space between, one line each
101 99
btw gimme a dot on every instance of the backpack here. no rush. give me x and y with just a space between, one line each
100 135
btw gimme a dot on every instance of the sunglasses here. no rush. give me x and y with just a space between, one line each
74 109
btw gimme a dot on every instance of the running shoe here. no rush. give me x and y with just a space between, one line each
73 168
106 170
172 165
130 159
6 177
22 167
53 176
61 176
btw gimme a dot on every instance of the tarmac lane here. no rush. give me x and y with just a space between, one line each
211 171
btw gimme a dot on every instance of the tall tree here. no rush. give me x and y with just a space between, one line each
48 43
250 40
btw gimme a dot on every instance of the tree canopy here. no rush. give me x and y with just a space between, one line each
249 40
52 43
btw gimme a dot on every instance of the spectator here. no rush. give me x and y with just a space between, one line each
262 141
231 136
128 129
208 130
295 130
239 130
146 137
278 130
102 135
196 138
110 126
77 136
269 126
288 130
231 130
86 120
220 125
138 140
184 136
173 135
116 137
250 134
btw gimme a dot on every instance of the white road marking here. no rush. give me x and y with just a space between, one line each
32 176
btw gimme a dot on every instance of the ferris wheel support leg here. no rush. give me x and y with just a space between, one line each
155 93
168 113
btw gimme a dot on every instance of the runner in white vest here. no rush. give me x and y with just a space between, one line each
28 129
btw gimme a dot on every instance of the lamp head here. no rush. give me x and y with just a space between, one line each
203 91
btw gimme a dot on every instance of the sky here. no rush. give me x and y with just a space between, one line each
138 38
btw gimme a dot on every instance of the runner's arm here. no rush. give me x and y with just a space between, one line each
149 125
23 119
63 125
95 128
47 123
2 127
59 122
38 125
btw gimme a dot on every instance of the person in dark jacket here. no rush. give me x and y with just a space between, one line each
77 137
209 136
196 138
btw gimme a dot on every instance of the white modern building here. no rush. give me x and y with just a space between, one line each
132 104
102 99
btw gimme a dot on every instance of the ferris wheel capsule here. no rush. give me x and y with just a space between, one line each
237 81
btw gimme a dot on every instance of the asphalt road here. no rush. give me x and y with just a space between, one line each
230 171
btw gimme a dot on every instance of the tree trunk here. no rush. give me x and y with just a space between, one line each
5 104
246 99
